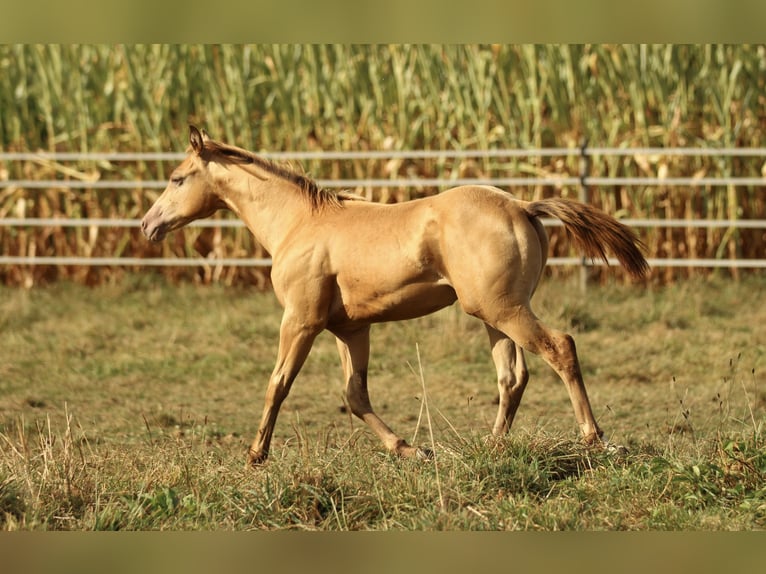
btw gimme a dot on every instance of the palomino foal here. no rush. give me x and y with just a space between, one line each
341 265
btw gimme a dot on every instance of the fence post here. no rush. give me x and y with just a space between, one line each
585 198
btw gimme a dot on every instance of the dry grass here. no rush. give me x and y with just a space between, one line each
130 407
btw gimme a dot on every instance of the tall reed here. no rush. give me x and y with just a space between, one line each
350 97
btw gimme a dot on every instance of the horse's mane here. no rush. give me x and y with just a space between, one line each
317 196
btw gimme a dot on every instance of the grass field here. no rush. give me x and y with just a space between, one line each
130 406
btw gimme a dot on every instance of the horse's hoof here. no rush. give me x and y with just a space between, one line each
254 460
493 440
404 450
424 454
613 449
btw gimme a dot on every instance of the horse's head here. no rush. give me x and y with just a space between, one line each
190 194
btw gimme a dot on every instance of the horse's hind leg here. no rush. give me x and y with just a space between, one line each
512 377
558 350
354 350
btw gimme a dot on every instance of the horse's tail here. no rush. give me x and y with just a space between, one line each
593 230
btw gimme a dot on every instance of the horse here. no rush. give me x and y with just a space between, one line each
341 263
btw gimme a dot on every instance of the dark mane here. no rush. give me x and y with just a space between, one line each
317 196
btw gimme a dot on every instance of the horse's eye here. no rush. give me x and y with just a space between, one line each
179 181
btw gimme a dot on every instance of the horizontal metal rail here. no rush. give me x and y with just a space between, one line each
266 262
135 261
237 223
397 154
328 183
413 182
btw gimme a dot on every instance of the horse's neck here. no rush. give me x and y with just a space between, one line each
270 208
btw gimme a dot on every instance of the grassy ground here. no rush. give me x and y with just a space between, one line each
130 407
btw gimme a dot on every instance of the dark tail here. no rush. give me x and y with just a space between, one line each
592 231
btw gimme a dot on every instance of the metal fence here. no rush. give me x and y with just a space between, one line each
583 181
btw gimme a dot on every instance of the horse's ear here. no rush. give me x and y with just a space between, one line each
205 135
196 139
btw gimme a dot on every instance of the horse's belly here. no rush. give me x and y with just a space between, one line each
407 302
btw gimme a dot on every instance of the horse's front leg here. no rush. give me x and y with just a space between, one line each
295 340
354 350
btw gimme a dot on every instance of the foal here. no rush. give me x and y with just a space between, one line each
341 265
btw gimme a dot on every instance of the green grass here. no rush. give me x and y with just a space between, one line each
130 406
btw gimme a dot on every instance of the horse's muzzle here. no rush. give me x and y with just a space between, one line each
152 229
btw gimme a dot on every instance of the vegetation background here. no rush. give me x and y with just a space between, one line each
95 98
